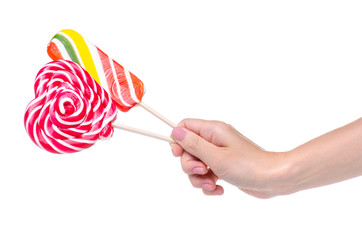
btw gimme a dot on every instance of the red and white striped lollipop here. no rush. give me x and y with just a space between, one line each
124 87
70 111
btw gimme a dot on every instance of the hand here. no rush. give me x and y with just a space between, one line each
213 150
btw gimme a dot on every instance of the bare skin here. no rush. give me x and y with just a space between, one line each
213 150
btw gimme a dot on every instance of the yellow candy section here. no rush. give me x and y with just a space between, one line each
84 53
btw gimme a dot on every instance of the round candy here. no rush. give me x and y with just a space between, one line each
70 111
124 87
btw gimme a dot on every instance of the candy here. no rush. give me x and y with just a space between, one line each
70 111
124 87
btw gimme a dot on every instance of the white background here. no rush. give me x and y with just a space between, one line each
281 72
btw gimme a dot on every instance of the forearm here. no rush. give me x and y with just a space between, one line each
330 158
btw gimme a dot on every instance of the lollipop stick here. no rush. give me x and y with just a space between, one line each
143 132
157 114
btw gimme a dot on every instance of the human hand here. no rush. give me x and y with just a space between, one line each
213 150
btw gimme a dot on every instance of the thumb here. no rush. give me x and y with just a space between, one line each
196 145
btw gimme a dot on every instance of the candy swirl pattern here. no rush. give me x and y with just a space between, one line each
70 112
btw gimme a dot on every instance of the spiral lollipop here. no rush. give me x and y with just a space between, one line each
70 111
124 87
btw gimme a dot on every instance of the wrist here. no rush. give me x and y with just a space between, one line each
279 174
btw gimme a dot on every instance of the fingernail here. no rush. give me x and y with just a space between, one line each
207 187
178 133
198 170
218 192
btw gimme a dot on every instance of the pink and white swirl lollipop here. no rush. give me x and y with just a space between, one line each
70 112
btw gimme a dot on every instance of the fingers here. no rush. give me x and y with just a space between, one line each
204 139
191 165
200 176
176 149
219 190
216 132
196 146
197 140
207 183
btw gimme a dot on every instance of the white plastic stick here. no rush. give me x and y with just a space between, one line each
142 132
157 114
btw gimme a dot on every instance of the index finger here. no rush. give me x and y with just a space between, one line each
215 132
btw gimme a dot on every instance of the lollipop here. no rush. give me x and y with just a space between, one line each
70 111
123 86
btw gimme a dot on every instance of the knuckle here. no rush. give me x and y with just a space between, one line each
186 167
182 122
193 143
194 182
185 122
187 163
219 126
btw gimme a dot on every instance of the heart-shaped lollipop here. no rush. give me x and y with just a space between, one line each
70 111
